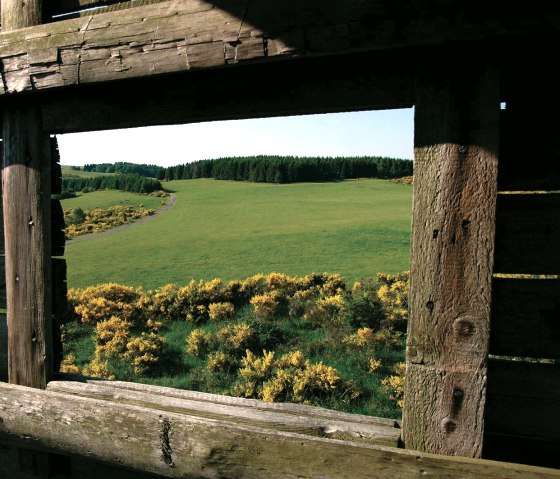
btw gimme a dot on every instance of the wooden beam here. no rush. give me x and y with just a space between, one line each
26 204
183 35
173 443
362 82
455 171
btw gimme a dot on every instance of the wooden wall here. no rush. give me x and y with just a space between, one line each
523 402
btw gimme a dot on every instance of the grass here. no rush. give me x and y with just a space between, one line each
69 171
107 198
233 230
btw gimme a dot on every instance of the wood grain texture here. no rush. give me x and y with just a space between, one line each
456 146
174 444
525 318
182 35
361 82
303 420
524 399
26 200
17 14
527 234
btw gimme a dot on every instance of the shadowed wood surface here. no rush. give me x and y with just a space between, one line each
525 318
175 443
182 35
528 234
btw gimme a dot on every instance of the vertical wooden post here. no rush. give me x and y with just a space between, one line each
26 203
455 187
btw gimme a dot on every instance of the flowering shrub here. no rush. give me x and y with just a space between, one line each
198 342
98 369
394 384
264 305
361 338
144 351
97 220
290 378
112 337
393 294
235 338
374 365
220 311
326 309
221 361
68 365
99 303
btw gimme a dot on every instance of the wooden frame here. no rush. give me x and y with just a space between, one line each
197 60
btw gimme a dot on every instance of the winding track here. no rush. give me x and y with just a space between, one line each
165 209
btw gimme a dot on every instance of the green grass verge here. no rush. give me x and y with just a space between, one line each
236 229
106 198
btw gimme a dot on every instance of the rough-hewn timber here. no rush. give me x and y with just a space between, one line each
181 35
26 205
175 443
455 171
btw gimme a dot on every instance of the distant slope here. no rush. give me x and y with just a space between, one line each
236 229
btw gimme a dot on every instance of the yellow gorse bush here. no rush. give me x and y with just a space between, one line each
221 311
292 378
68 365
393 294
144 351
265 305
112 336
98 369
394 384
198 342
361 338
235 337
99 220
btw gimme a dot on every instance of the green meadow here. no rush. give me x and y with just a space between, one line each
106 198
233 230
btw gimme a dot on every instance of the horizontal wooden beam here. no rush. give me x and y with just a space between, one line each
182 35
525 316
303 86
527 234
172 442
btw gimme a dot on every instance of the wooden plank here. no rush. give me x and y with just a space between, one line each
173 444
525 317
58 239
16 14
527 232
183 35
305 420
455 174
73 8
56 169
524 400
376 81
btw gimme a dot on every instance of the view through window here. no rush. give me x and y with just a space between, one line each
259 258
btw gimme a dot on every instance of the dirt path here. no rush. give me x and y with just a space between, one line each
170 203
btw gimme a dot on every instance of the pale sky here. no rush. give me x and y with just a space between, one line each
372 133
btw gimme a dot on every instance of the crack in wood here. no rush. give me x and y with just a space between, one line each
164 431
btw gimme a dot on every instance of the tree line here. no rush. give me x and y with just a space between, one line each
123 167
270 169
289 169
124 182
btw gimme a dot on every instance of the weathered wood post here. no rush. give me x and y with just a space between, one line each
26 203
455 187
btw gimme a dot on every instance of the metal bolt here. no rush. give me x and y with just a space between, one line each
462 149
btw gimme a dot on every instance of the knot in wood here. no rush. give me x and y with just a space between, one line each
448 425
463 327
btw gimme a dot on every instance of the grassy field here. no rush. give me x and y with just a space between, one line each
69 171
107 198
233 230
